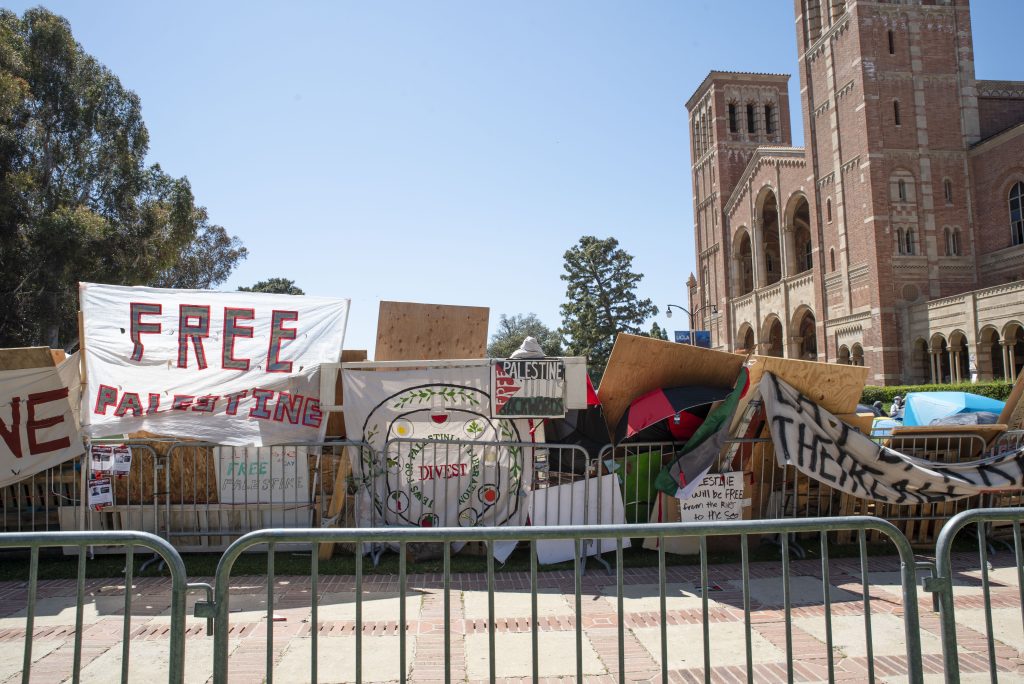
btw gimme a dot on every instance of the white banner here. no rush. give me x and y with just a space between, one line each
37 425
426 481
235 368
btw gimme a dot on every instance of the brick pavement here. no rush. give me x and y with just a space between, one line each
54 632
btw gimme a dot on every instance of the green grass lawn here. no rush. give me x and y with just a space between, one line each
14 565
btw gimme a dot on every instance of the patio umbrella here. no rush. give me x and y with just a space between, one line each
674 412
924 407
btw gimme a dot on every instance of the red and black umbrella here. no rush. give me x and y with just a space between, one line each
668 414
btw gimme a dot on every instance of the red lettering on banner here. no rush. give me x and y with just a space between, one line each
445 471
11 433
34 425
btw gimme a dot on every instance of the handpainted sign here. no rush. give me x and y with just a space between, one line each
699 338
37 424
821 446
263 476
528 388
227 367
719 496
435 458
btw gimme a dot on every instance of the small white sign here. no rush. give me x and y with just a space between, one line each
718 497
269 475
111 458
101 493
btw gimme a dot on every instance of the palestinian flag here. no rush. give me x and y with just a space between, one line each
682 476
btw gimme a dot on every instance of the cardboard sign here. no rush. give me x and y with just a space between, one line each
718 497
528 388
233 368
257 476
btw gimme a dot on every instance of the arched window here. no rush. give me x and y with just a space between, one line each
1017 213
909 242
892 44
732 117
832 257
947 190
899 241
751 125
808 255
901 190
769 122
957 249
828 210
896 112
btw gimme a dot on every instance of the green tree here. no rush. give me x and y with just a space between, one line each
77 202
274 286
601 300
512 330
657 332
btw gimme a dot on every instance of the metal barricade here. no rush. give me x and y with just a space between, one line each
446 537
47 501
942 583
129 543
212 494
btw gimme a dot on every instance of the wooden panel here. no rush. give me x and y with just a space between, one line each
860 421
640 364
410 332
835 387
19 358
59 356
1013 412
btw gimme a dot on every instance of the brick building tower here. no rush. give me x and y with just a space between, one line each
895 238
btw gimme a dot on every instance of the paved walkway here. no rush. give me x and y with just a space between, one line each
103 626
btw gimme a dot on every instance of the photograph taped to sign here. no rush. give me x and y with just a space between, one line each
528 388
718 497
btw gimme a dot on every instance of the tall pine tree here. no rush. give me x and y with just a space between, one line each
601 300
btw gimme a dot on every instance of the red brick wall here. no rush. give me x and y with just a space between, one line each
999 113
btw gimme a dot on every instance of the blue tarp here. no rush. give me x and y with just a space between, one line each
924 407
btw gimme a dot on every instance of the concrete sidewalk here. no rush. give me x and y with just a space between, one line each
103 624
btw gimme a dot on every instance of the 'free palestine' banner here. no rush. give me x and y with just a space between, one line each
234 368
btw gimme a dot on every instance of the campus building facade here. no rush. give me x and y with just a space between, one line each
895 237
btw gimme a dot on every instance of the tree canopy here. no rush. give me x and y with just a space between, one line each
274 286
512 330
600 300
77 201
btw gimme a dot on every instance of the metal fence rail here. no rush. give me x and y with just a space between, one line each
942 583
272 539
129 542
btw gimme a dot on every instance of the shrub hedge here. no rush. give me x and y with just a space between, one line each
996 389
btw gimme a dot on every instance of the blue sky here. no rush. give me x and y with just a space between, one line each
447 152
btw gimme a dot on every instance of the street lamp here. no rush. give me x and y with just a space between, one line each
668 314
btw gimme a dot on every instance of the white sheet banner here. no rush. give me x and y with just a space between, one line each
428 481
37 425
235 368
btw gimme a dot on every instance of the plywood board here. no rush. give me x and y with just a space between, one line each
410 332
834 387
59 356
638 365
20 358
1013 413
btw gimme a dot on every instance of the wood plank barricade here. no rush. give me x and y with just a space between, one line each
407 331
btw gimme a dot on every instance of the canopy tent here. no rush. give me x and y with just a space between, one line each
923 408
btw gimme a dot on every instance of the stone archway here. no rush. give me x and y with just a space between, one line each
772 337
844 355
857 354
804 335
745 339
799 246
959 357
743 262
1013 350
771 237
990 355
939 359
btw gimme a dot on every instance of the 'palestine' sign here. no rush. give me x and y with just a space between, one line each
528 388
